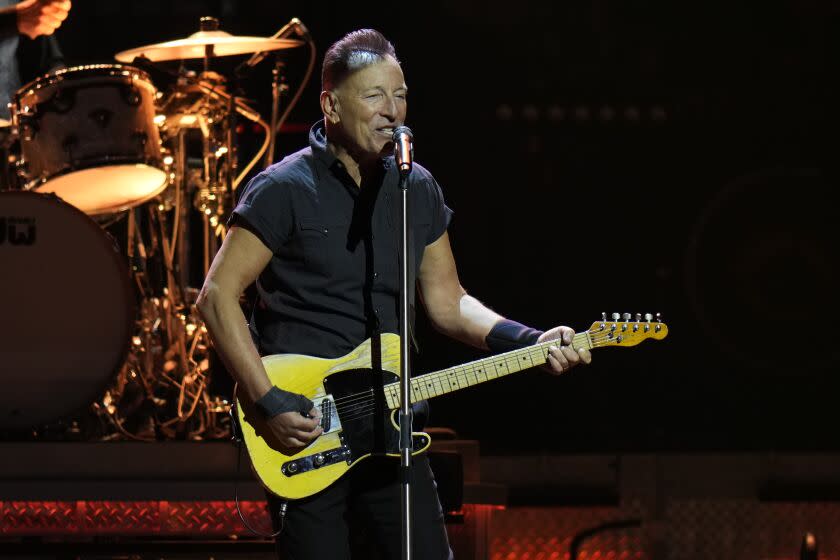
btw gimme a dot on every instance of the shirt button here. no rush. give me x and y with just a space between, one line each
326 230
376 275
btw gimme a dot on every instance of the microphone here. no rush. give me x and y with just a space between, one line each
294 24
404 149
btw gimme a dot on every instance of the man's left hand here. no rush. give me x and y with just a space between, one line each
562 356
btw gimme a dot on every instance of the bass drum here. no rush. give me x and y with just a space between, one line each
67 307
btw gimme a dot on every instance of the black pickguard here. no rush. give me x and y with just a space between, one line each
364 415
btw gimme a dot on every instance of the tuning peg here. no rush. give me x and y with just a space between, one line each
638 317
648 317
604 316
659 317
626 316
616 316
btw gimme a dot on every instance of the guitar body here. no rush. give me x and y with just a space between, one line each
357 421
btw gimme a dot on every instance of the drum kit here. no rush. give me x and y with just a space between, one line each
112 212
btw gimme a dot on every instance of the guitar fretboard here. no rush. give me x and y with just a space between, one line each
466 375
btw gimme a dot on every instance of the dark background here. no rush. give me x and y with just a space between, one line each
646 156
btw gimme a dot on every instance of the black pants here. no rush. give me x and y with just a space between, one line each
359 517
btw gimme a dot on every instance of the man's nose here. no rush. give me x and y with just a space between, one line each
389 108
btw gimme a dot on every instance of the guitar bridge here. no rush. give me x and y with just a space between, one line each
316 461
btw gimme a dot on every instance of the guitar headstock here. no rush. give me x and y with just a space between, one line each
622 331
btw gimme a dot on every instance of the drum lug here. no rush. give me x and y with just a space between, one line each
21 168
63 100
141 137
101 117
28 127
132 96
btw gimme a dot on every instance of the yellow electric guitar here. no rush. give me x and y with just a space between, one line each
359 409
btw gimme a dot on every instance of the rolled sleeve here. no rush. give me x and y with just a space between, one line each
265 209
441 214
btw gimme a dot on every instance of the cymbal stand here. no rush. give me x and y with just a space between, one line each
278 88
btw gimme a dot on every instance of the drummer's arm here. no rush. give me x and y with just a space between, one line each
240 260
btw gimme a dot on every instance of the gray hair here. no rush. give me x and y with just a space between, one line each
354 51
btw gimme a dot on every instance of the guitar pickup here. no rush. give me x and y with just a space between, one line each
329 413
316 461
326 414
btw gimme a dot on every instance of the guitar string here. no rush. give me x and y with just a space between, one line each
440 376
352 403
436 376
364 408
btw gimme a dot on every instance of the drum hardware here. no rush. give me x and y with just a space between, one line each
140 163
278 88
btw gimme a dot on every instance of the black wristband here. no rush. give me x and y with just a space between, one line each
507 335
277 401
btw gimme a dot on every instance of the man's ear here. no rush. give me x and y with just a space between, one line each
329 106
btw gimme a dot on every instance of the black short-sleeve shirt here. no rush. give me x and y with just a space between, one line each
334 271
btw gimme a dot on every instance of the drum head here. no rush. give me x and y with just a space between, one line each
111 188
67 309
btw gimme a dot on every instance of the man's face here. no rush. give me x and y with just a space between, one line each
371 103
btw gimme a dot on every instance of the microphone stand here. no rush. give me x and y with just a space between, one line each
406 414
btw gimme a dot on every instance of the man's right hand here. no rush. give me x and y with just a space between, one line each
41 17
293 430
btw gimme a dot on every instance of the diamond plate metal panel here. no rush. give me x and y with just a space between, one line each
34 518
720 529
547 534
134 518
218 518
120 517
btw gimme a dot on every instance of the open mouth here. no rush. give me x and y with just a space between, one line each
386 131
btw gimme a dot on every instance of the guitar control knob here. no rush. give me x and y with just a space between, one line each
292 468
318 459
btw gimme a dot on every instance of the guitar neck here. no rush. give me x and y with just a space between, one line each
449 380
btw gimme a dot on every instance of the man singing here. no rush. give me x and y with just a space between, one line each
319 233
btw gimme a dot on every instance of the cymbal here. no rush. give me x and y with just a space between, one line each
224 44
